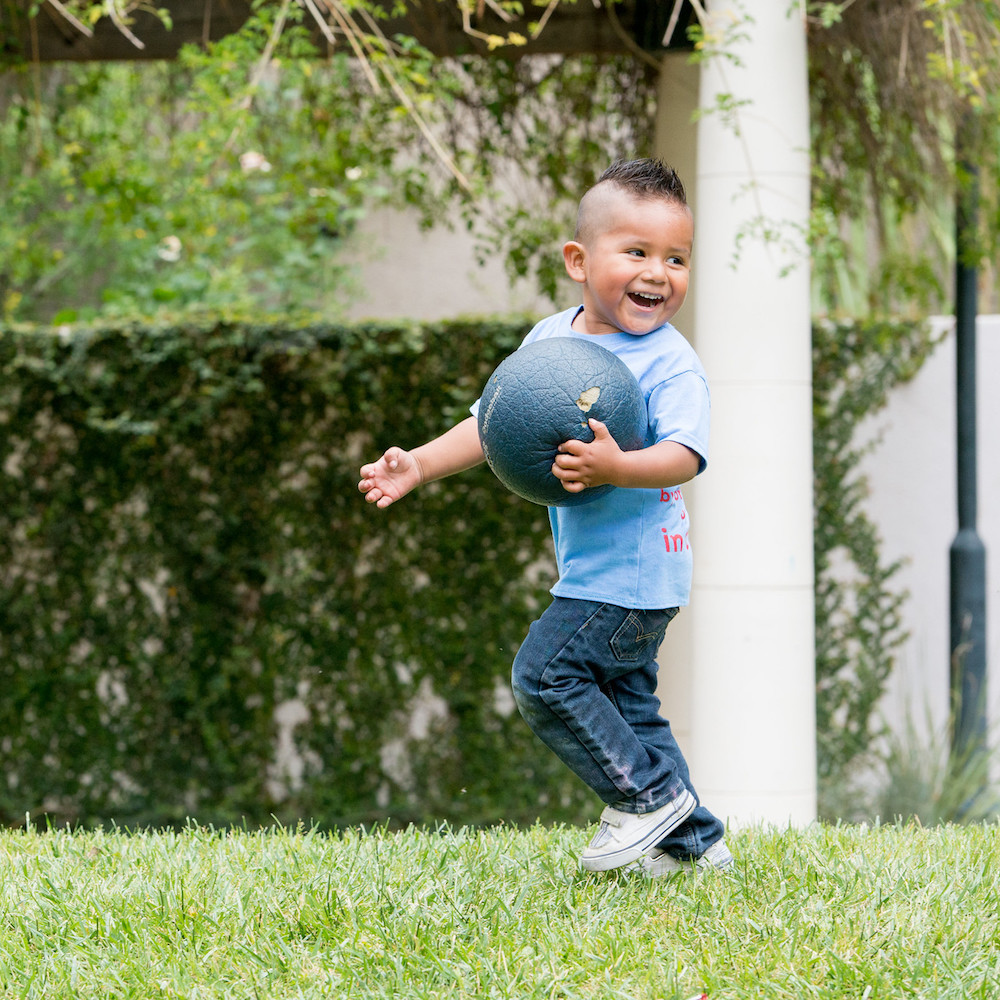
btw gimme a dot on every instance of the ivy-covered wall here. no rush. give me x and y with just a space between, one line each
859 607
200 616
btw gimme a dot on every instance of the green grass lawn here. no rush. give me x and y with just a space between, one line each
854 912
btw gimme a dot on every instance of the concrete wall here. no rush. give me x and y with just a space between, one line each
911 473
410 273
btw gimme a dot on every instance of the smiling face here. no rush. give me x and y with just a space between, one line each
632 255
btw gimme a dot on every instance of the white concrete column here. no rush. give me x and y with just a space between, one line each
675 141
752 683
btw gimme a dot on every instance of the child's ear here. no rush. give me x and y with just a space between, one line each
573 256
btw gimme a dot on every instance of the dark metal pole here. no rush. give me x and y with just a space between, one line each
968 555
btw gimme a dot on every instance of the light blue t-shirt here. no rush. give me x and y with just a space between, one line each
630 547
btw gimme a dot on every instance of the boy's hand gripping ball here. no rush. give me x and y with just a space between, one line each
544 394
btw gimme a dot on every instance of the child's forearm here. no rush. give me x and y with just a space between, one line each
659 466
454 451
581 465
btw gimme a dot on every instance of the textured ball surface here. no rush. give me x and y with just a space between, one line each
544 394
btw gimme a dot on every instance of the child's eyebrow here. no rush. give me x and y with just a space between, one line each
641 244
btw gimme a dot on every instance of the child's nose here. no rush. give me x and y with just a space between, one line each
656 269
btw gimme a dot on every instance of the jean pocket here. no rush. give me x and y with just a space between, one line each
640 634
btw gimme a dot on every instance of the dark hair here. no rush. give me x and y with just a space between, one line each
646 178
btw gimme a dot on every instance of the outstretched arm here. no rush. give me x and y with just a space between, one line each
398 471
582 464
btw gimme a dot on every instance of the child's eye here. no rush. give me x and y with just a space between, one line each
636 253
679 261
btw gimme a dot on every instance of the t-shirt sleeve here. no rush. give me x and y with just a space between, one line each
679 410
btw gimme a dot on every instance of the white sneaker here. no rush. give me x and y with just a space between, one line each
656 863
625 837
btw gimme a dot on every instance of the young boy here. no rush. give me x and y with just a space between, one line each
584 678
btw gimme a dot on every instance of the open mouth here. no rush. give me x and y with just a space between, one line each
645 301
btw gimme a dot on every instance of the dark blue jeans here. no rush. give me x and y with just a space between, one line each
584 680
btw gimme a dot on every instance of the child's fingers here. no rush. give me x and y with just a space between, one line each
390 459
378 497
569 477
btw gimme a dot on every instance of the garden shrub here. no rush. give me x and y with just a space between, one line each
199 615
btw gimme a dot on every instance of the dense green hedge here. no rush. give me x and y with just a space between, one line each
199 615
191 580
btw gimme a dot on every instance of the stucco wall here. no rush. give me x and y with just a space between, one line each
411 273
912 476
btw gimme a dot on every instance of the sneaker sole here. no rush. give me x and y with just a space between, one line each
715 859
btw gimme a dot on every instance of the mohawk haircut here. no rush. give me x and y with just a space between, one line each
644 178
